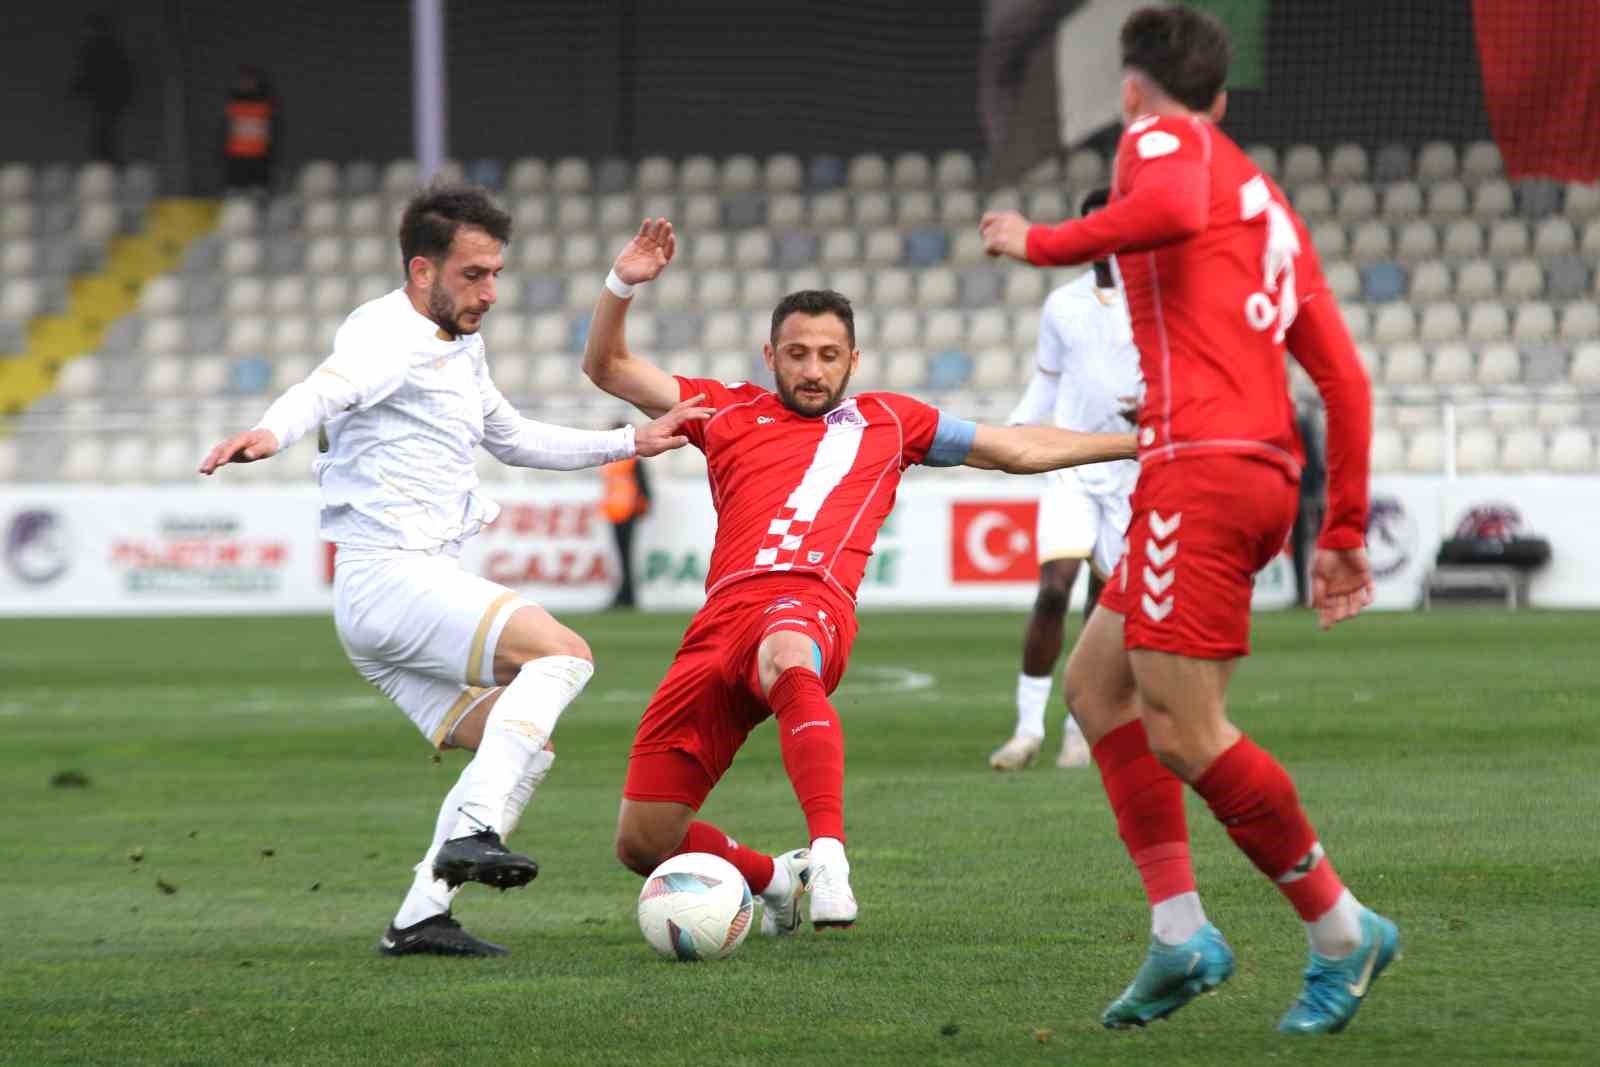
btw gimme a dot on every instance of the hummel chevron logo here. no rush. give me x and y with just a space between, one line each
1157 609
1164 528
1158 583
1159 556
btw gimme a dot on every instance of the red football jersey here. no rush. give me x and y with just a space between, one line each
797 494
1219 274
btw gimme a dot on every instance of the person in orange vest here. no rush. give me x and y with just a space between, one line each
624 499
250 134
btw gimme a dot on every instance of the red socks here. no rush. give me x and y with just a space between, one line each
1254 798
812 742
755 866
1148 801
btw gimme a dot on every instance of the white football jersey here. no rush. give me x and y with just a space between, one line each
400 467
1086 373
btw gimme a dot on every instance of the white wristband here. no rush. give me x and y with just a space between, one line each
630 447
619 287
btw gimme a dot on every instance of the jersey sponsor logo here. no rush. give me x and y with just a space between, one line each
782 604
763 420
845 415
993 541
813 556
1155 144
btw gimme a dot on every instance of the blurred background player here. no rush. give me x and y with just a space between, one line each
802 481
1085 378
1220 275
405 400
624 500
250 132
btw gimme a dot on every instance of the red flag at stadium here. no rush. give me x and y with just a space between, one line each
1541 85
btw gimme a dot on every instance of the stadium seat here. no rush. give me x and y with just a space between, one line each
1580 321
1447 200
950 368
1402 201
1404 364
916 208
1302 164
981 286
400 177
1554 237
994 368
1388 453
840 247
988 328
753 249
1571 449
1425 452
873 208
1046 173
1476 280
1329 239
1488 321
20 299
927 246
1477 450
1086 169
902 328
1492 201
242 255
889 288
1348 162
1522 450
239 217
1357 319
1558 406
740 173
1568 277
1026 288
1382 282
1537 198
1265 157
937 287
1463 239
571 175
1048 205
1356 202
1393 164
1314 202
319 179
1523 280
825 172
912 170
796 249
883 247
1585 369
1429 281
903 368
246 296
1370 242
1394 322
1440 323
1508 239
1437 161
955 170
78 378
1025 328
1534 321
249 377
528 175
867 171
16 181
943 328
1499 364
164 335
1481 160
717 289
1371 362
958 208
1452 363
1418 241
784 173
830 209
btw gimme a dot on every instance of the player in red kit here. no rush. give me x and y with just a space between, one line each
1220 277
802 480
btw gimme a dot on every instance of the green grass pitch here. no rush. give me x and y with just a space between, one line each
1448 761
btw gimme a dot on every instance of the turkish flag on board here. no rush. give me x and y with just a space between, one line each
992 541
1541 84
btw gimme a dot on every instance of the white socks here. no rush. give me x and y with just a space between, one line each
428 897
782 882
1033 696
1338 933
1177 919
515 734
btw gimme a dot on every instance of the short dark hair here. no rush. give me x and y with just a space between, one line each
815 302
1182 50
1094 200
433 216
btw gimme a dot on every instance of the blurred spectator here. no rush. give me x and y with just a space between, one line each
250 137
104 80
1308 520
625 498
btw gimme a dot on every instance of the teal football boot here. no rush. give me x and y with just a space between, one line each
1170 977
1335 988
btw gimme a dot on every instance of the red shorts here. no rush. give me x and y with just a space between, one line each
711 697
1200 531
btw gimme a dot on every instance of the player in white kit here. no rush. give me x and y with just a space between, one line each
404 402
1086 378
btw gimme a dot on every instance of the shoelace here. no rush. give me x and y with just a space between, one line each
1321 991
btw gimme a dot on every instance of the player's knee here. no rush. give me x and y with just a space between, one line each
1051 602
570 644
636 851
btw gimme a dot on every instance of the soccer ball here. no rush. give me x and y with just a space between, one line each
695 907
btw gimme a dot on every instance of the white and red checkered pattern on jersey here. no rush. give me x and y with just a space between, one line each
803 494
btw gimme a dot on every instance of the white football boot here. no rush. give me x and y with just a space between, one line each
781 915
832 903
1074 751
1016 753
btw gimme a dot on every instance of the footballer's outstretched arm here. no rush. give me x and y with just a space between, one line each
1036 449
606 358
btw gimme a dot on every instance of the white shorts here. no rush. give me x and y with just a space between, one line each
1075 523
423 631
